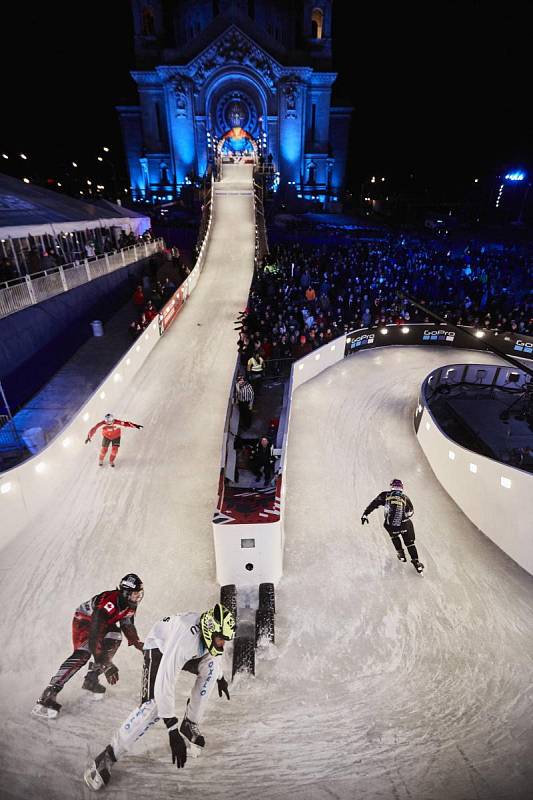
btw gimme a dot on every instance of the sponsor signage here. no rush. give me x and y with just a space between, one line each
438 335
361 341
170 311
522 346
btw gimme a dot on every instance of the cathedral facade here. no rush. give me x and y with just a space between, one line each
234 79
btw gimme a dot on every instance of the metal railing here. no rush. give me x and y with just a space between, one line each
29 290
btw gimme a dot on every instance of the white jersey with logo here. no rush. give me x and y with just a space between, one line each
178 638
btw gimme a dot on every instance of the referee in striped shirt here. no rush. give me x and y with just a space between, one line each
244 396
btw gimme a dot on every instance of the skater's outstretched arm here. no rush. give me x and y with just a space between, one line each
127 424
376 502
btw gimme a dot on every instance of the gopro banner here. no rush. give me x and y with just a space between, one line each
360 341
521 346
438 335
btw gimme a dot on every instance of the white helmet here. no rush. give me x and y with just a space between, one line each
109 418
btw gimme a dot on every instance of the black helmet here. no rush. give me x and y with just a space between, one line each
131 590
396 483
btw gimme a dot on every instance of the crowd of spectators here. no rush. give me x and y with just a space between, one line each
40 257
303 297
164 274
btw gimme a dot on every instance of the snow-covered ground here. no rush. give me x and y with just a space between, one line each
381 684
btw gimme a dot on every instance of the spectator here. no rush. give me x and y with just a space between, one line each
263 460
255 368
139 299
150 312
244 396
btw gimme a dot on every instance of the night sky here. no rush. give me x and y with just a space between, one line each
439 90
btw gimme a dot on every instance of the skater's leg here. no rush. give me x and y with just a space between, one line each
103 451
408 535
68 668
136 725
110 645
397 542
114 452
208 673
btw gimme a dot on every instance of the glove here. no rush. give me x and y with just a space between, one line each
222 687
364 519
139 645
177 743
87 440
139 427
111 673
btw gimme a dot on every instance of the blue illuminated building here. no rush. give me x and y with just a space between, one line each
237 77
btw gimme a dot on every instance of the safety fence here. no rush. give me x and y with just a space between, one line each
29 290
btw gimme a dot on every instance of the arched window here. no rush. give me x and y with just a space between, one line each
148 21
164 173
311 174
317 23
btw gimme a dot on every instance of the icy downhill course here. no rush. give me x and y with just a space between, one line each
382 684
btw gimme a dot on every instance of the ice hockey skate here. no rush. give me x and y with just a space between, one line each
98 774
193 738
418 566
92 685
46 706
401 556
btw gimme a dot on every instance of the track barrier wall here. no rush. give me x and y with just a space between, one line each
496 497
234 551
27 489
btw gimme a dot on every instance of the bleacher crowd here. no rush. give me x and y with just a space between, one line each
302 297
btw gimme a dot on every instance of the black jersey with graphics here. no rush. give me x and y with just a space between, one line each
397 507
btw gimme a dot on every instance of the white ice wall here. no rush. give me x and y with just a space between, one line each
497 498
26 490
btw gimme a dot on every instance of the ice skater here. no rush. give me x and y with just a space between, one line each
190 642
111 436
97 630
398 512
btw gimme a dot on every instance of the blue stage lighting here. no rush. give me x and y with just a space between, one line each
518 175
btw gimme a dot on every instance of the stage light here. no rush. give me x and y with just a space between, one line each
102 395
24 157
26 180
517 175
4 155
451 455
384 331
405 329
506 482
480 334
5 487
473 468
40 468
66 442
74 164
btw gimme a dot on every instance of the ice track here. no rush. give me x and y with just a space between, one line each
381 685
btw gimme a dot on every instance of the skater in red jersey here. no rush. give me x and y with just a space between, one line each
111 436
97 630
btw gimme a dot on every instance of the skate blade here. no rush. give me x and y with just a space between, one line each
43 713
195 751
92 778
94 698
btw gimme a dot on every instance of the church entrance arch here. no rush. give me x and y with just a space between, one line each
237 143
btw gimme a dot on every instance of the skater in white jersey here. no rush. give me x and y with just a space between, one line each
190 642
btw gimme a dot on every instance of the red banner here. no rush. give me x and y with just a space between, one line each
170 310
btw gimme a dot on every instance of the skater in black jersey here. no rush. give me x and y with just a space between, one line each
397 523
